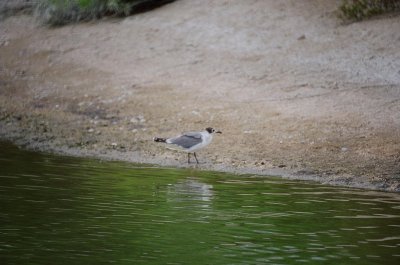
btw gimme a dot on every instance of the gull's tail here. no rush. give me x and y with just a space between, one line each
161 140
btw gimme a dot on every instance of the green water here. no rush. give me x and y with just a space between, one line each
62 210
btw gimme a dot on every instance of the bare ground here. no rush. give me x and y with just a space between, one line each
296 92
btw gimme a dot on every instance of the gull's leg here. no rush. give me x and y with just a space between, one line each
188 158
196 157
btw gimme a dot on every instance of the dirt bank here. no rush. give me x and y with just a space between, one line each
296 92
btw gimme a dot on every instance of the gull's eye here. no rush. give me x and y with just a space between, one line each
213 130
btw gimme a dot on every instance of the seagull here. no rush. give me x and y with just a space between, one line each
189 142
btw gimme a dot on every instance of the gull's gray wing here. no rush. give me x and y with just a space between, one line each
186 140
193 134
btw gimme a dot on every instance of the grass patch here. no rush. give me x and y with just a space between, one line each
61 12
356 10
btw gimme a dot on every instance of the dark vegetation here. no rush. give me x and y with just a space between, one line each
12 7
60 12
360 9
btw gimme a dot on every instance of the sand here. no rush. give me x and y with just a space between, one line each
296 92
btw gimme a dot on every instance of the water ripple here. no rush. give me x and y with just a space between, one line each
67 210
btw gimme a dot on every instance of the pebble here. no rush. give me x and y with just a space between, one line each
141 118
302 37
137 119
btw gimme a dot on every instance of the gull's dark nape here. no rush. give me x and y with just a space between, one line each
209 129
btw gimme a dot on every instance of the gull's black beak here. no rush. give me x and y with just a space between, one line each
218 132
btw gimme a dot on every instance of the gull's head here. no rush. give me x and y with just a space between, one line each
212 130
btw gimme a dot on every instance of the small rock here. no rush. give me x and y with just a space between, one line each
140 117
344 149
302 37
90 130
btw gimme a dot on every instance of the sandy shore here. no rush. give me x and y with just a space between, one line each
296 92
